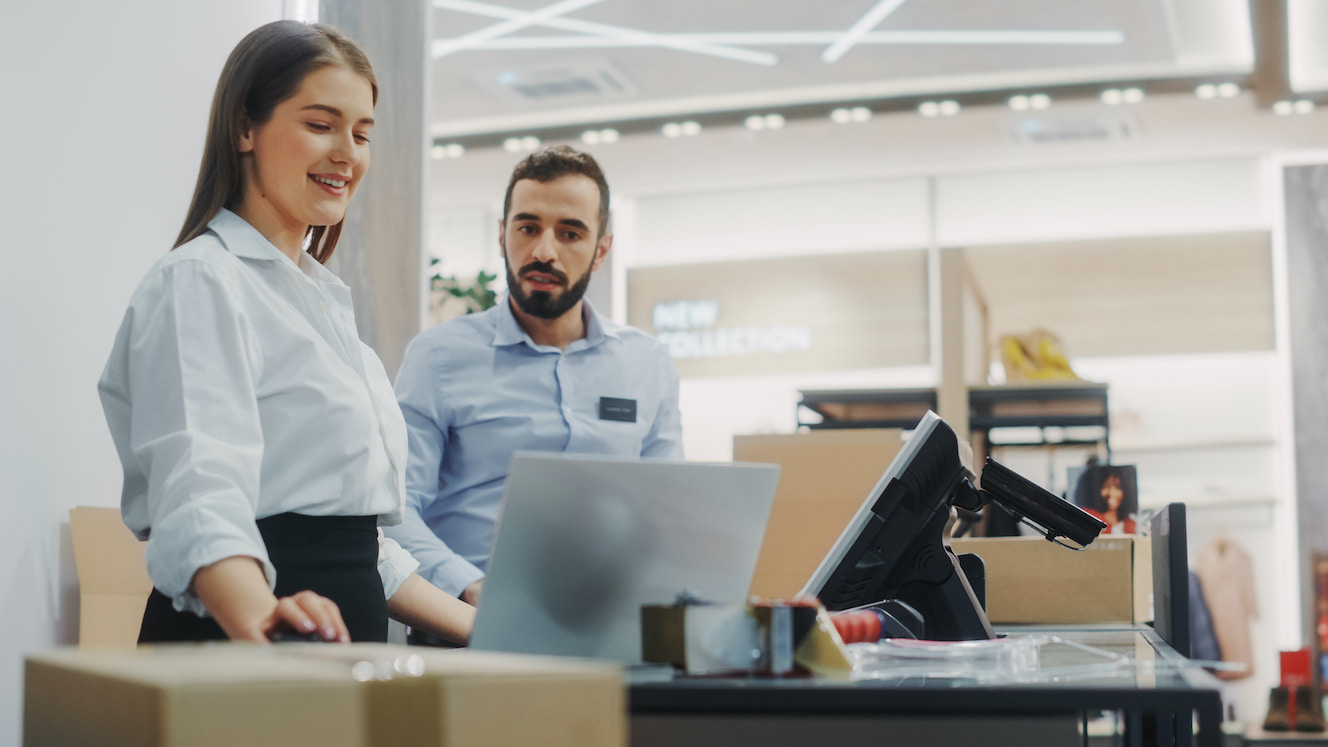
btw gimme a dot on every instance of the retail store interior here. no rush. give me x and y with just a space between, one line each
796 189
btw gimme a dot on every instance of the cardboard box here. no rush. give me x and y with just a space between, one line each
824 478
1031 580
318 694
113 578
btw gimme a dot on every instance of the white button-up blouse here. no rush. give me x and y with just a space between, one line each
238 388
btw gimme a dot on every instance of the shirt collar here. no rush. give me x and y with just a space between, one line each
508 332
596 332
243 240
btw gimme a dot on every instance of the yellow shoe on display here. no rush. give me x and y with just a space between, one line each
1037 356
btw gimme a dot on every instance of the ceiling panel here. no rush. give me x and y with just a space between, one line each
1059 41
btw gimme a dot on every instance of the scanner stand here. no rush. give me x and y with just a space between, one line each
931 579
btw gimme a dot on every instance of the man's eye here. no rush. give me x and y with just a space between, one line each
319 126
572 236
362 139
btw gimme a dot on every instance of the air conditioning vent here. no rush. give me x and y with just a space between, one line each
589 81
1054 128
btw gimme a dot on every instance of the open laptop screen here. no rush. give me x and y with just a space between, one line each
583 542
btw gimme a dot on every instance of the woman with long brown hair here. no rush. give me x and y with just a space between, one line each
261 442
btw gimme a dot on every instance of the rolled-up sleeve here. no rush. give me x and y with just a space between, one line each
394 565
193 445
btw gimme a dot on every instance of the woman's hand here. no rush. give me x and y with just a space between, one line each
306 612
235 592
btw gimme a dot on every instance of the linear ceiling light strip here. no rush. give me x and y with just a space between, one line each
625 36
860 29
1013 36
818 38
516 22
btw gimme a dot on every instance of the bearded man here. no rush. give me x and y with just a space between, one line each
540 371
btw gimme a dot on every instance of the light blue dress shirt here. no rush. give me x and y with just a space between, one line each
476 389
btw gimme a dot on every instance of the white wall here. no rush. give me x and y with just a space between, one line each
104 116
788 220
1141 199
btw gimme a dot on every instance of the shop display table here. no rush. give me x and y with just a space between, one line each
1158 697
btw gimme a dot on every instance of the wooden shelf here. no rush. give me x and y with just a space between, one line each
1041 406
866 408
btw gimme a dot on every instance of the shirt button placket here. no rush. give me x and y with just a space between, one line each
566 395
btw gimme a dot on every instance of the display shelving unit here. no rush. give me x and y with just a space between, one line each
1045 409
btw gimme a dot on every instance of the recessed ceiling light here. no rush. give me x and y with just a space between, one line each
1304 106
530 142
512 144
949 108
844 115
1039 101
438 151
1228 90
455 150
671 129
1112 96
929 109
1206 91
590 137
1133 95
1018 103
774 121
608 135
690 128
1284 108
755 122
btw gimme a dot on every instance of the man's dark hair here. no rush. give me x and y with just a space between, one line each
547 164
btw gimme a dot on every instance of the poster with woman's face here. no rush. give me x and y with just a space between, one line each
1109 492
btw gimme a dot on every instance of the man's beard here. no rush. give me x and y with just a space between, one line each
544 304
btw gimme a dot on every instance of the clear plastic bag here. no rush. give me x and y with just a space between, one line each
995 660
1013 660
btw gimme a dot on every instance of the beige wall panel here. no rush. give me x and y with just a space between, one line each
1138 296
863 310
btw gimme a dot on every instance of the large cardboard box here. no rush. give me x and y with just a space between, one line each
113 578
1031 580
317 694
824 478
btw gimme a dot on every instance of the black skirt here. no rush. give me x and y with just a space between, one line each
335 556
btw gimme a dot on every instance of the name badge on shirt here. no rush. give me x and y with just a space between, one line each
612 408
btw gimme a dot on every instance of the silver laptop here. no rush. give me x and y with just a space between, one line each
583 542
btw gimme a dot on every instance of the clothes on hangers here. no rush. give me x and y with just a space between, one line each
1203 639
1227 576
